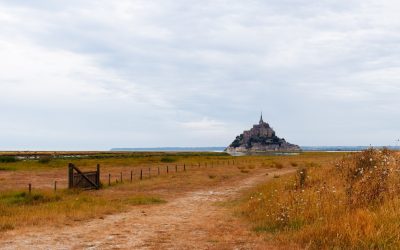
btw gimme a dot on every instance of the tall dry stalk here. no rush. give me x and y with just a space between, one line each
366 175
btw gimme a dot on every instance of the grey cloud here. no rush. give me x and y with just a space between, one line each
151 66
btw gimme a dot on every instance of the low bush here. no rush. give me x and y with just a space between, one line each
168 159
367 176
277 165
45 159
8 159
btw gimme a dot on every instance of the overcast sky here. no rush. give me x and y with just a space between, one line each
96 74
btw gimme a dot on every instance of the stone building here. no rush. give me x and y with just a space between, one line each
260 129
260 138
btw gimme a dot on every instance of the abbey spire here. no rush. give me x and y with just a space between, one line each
261 119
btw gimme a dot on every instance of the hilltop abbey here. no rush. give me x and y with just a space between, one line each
261 138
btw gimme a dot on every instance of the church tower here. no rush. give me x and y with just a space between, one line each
261 119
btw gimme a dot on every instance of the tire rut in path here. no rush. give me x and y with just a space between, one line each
190 221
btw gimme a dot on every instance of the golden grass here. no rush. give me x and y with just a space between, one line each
331 210
46 207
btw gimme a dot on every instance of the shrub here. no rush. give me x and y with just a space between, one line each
45 159
7 159
168 159
366 175
236 143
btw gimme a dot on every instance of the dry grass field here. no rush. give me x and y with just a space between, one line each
352 204
48 207
311 200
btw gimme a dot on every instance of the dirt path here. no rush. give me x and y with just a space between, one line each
191 221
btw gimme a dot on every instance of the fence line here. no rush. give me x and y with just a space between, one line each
159 172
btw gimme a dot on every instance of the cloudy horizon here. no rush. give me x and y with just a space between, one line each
95 75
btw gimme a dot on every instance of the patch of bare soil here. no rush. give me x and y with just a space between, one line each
193 220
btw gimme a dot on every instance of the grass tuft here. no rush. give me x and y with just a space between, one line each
23 198
6 227
144 200
7 168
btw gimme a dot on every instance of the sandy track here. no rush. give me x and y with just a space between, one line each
193 220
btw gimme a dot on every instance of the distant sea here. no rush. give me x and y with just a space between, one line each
221 149
344 148
172 149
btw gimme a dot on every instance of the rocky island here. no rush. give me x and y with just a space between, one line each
261 138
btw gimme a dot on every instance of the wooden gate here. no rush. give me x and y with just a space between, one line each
86 180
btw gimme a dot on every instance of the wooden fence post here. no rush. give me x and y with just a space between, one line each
98 176
141 174
131 175
55 186
70 175
30 188
109 179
